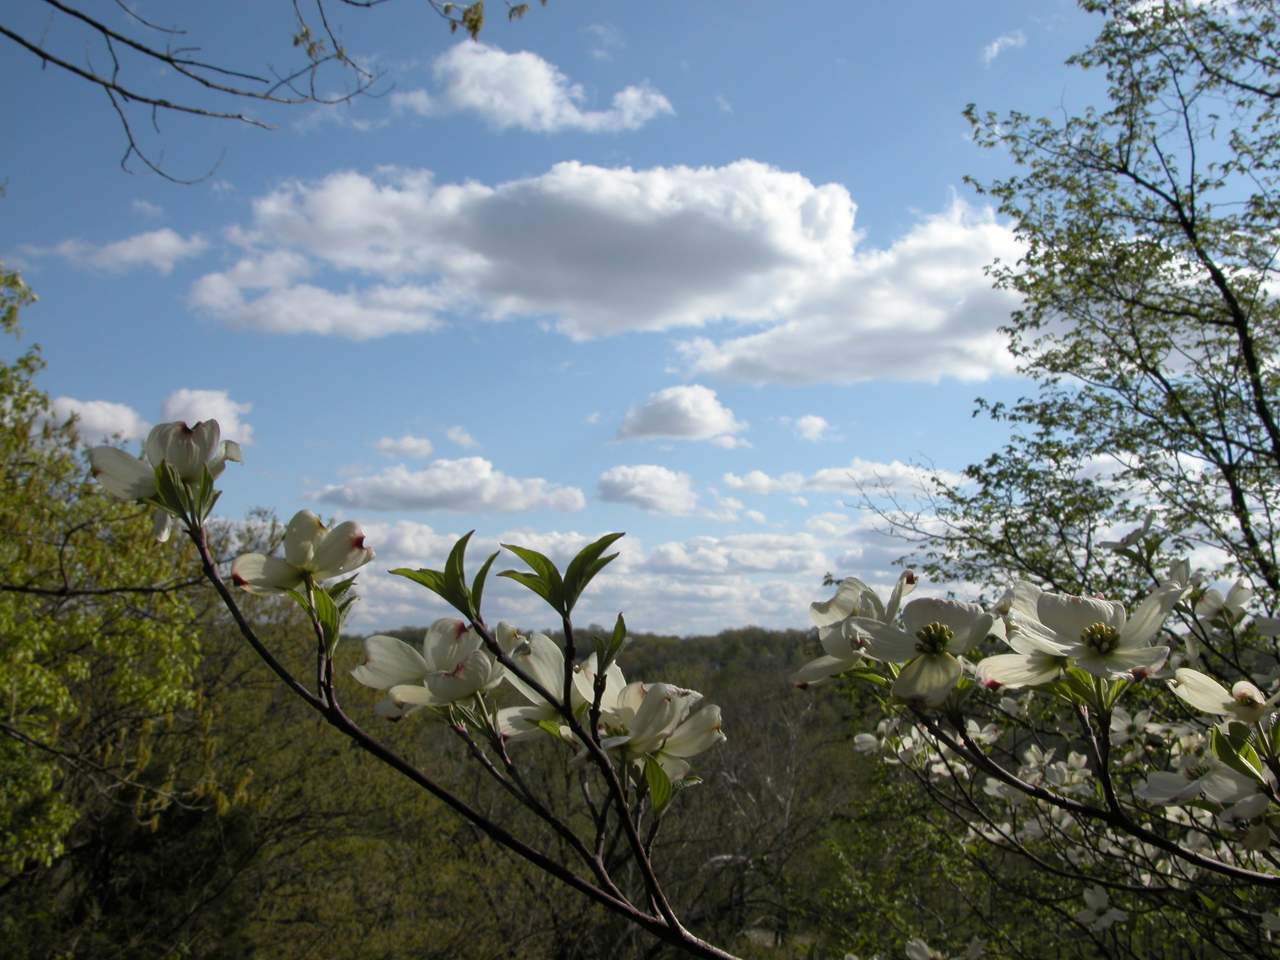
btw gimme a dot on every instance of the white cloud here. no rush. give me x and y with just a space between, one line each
921 310
303 308
523 90
812 427
723 103
98 421
1000 44
599 251
741 553
195 405
147 209
649 487
471 483
603 39
461 437
857 477
406 446
686 412
417 101
160 250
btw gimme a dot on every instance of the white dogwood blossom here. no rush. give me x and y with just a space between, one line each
188 450
311 550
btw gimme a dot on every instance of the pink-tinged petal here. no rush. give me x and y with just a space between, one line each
448 643
1014 670
1201 692
887 642
1149 616
543 660
186 449
300 539
518 723
852 597
584 684
665 706
264 575
815 671
228 451
844 639
414 694
675 768
341 550
907 581
123 476
1167 788
1134 663
928 678
389 662
699 732
478 671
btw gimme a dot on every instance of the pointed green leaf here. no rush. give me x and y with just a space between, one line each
433 580
552 587
327 614
660 789
551 727
585 566
477 585
530 581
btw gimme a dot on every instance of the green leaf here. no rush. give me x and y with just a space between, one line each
549 586
585 566
531 582
551 727
338 590
170 490
1242 760
328 616
660 789
433 580
455 578
477 585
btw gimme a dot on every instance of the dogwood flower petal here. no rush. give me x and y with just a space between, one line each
928 678
389 662
264 575
121 475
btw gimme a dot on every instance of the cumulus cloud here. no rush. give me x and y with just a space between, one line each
649 487
686 412
405 446
524 91
921 310
742 553
812 427
471 483
303 308
857 477
1000 44
599 251
98 421
194 405
159 250
461 437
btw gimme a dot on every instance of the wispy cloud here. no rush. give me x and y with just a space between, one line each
1000 44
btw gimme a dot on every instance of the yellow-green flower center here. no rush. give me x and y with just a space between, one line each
1100 638
933 638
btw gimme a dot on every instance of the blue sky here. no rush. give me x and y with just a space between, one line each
699 272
